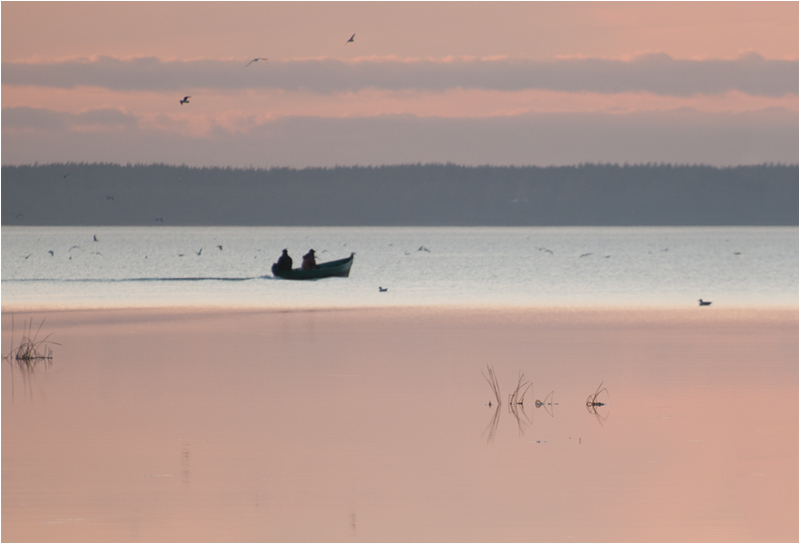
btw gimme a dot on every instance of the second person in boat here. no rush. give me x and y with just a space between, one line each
309 260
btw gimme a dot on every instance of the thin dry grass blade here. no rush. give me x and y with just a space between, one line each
493 383
518 397
37 330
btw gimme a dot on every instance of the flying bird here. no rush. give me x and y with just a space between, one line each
382 289
185 100
254 60
704 302
352 39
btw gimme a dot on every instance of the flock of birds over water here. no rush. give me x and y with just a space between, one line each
185 99
381 289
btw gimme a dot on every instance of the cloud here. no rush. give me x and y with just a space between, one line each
654 73
681 136
39 119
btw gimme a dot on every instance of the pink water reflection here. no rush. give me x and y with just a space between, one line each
371 426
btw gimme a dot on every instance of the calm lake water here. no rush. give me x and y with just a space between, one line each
375 425
369 417
167 266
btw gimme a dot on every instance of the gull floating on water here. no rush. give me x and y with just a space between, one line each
254 60
185 100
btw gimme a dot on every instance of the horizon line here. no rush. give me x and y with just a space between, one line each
649 164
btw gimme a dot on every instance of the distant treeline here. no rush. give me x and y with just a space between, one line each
420 194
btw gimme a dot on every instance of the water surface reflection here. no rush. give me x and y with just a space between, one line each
372 426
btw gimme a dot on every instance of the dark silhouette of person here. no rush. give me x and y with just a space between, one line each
284 261
309 261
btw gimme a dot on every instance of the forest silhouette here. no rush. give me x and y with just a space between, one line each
400 195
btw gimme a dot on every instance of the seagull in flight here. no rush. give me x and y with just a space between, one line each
185 100
254 60
352 39
704 302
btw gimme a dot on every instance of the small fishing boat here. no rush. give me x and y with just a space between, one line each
340 268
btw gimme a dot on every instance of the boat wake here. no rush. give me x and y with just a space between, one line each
131 280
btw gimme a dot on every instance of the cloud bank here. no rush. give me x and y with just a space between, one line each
657 73
542 139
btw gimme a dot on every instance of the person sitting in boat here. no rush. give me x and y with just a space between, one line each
309 261
284 261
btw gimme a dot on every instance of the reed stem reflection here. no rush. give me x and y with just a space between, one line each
593 403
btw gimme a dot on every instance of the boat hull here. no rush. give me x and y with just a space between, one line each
331 269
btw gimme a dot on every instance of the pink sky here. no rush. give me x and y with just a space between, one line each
79 77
